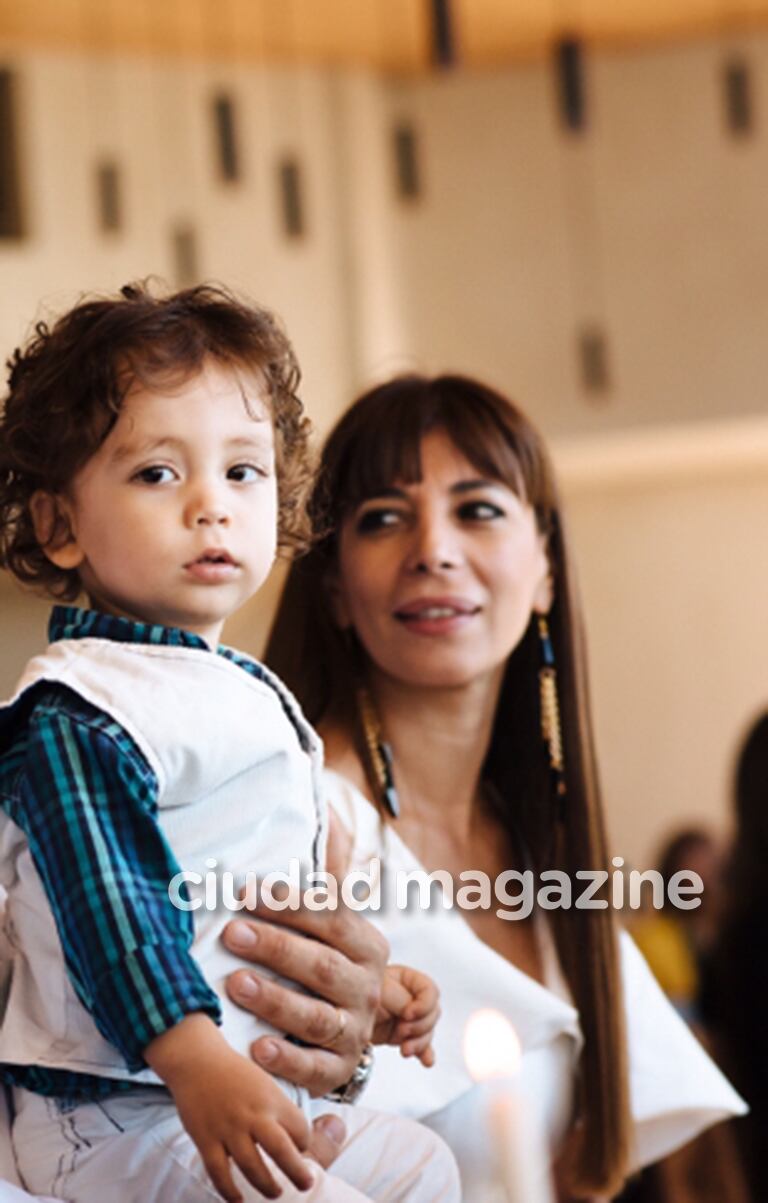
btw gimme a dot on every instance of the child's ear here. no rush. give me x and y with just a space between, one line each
53 529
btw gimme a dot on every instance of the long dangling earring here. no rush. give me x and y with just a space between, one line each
551 730
378 752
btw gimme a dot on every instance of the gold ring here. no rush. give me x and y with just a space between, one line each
343 1018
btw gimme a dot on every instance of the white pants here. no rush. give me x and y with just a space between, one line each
132 1148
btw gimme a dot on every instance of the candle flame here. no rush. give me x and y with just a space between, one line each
491 1046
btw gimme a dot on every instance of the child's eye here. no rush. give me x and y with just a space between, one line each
480 511
378 519
246 473
155 474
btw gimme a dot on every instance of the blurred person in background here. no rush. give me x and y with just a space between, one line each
676 944
735 988
674 940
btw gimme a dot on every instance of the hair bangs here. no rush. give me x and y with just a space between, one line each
378 442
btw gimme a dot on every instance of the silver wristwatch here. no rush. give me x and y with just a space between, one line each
351 1090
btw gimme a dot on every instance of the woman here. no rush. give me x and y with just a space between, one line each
433 635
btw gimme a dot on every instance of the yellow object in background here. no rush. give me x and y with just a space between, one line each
663 941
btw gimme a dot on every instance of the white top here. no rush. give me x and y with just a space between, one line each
676 1090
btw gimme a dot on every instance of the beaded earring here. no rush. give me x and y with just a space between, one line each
551 730
378 752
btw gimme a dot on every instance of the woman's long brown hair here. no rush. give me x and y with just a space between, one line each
376 443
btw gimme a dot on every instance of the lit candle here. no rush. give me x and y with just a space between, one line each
519 1170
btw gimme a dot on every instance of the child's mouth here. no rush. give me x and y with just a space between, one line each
213 566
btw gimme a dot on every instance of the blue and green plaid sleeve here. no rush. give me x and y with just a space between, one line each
86 799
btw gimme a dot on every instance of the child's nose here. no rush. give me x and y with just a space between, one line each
207 509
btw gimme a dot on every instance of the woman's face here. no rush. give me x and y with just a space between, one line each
439 578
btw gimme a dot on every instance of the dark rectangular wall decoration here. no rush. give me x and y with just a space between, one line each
570 78
407 174
291 197
593 361
443 33
737 96
11 217
186 267
108 196
225 131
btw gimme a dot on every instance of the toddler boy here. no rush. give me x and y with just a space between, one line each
153 455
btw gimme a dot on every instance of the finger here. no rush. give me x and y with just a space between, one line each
311 1019
425 998
319 967
418 1048
345 930
418 1027
217 1166
293 1120
327 1139
395 998
276 1141
251 1164
319 1070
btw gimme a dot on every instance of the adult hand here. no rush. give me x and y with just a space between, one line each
339 957
327 1138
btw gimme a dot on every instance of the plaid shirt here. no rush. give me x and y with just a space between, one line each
86 799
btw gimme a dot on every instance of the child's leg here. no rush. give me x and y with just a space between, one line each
131 1148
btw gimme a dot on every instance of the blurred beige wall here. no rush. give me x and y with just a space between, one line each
650 227
667 530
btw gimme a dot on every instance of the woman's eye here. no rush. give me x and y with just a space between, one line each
480 511
155 474
375 520
245 473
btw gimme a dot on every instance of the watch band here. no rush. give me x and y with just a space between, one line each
351 1090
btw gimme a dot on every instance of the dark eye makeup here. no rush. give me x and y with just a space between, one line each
383 517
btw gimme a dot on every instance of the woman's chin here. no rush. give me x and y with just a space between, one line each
445 675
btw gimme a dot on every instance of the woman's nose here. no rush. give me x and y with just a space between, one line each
435 548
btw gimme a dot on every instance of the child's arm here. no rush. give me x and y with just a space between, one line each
87 803
88 807
229 1106
408 1013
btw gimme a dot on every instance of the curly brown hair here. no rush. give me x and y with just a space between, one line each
66 387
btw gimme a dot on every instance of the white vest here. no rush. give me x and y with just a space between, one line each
234 785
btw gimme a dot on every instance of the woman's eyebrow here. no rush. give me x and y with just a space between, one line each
467 486
461 486
392 491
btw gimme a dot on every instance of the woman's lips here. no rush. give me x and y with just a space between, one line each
436 615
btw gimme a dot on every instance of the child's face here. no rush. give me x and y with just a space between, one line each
174 519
